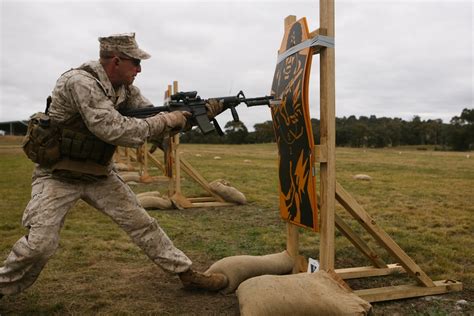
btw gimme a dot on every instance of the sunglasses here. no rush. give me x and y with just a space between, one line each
135 61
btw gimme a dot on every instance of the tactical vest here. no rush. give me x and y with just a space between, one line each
81 153
81 150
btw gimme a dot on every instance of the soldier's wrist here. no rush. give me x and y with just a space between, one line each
156 126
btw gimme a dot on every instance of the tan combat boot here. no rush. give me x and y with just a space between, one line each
208 281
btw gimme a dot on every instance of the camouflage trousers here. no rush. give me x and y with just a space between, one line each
44 216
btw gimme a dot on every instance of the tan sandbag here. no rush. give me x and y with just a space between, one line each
120 166
362 177
130 176
225 190
149 193
154 202
240 268
298 294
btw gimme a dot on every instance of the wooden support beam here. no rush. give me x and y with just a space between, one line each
201 199
156 162
360 244
176 154
189 169
363 272
405 291
292 244
358 212
211 204
180 201
328 140
169 153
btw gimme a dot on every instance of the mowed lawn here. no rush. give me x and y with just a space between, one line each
423 199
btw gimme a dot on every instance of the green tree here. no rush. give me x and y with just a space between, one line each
236 132
461 135
264 132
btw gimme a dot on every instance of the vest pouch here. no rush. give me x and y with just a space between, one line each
41 143
81 145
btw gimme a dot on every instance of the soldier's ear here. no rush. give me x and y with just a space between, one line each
116 60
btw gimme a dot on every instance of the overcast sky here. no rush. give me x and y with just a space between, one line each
394 58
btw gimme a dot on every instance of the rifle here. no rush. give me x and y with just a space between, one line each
191 102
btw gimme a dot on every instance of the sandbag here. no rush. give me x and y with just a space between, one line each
298 294
225 190
120 166
240 268
363 177
149 193
130 176
154 202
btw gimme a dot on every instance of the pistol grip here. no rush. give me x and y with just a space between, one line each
235 115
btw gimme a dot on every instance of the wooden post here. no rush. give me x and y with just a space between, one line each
292 244
175 149
169 154
328 139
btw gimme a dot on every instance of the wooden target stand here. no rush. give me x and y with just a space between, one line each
175 163
172 167
140 159
331 191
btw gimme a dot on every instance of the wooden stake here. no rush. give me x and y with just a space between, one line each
292 244
175 149
169 153
328 139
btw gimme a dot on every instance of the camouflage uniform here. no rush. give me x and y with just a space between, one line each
56 189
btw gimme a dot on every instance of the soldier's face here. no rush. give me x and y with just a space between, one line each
128 70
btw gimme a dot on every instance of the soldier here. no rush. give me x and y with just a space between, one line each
84 108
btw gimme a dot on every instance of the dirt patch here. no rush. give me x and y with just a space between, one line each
124 291
458 303
148 290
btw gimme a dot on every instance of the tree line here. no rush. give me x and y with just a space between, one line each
364 131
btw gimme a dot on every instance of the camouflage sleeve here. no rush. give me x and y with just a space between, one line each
100 116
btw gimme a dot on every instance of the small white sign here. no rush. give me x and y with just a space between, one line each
313 265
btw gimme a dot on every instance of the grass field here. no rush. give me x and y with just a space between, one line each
423 199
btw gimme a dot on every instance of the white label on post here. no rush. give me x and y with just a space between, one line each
313 265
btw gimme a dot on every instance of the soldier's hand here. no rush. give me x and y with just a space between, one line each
168 123
176 120
214 107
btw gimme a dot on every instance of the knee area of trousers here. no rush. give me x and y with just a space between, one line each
43 246
144 227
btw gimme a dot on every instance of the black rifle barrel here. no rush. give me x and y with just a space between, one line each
145 112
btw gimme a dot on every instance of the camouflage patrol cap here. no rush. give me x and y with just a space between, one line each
123 43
